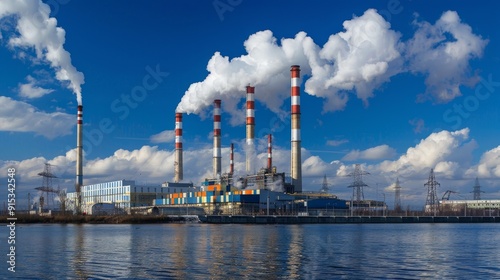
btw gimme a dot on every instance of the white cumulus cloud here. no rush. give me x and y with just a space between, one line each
438 150
488 166
335 143
375 153
165 136
32 90
18 116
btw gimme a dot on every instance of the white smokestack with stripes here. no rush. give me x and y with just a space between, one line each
269 152
79 157
250 127
231 160
178 165
217 139
296 166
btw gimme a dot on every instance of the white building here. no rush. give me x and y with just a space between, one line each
125 194
469 205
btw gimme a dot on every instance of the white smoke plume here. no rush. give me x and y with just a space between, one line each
277 186
238 183
35 29
359 60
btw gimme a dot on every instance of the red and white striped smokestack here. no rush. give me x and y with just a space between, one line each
178 165
269 152
250 128
296 166
79 157
231 160
217 142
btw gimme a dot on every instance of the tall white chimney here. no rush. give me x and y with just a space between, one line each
296 162
250 125
79 158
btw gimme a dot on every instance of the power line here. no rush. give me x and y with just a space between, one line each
477 190
358 184
432 202
46 187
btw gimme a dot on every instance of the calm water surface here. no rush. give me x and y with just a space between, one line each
202 251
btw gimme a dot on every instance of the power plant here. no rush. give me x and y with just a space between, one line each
262 191
249 191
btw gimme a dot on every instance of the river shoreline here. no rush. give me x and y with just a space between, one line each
244 219
89 219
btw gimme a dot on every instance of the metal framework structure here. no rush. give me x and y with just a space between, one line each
397 196
432 202
446 195
325 186
477 190
46 187
358 184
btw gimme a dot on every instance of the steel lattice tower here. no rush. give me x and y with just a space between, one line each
477 190
358 184
432 202
324 186
46 187
397 196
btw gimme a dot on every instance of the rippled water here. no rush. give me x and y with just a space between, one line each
202 251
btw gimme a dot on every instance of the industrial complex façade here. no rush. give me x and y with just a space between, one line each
264 192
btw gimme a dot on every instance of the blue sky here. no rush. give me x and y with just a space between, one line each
400 87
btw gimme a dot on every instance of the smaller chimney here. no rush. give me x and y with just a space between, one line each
269 152
231 160
178 168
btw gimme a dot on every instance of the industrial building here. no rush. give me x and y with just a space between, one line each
212 197
215 198
367 207
483 207
125 194
236 202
